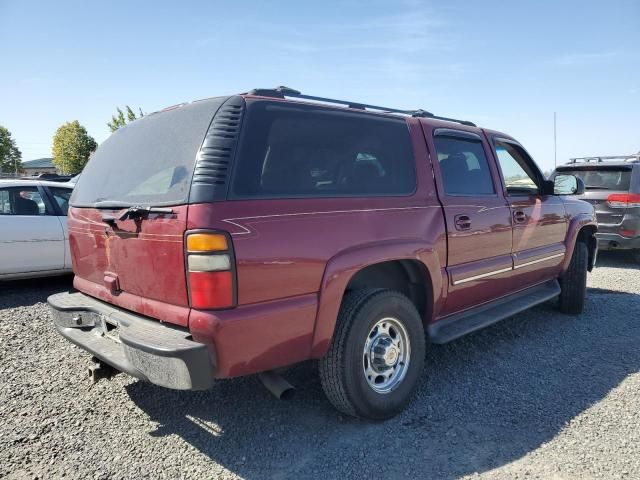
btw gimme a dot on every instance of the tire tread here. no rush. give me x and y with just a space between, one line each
573 282
331 367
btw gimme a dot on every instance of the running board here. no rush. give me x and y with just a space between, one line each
460 324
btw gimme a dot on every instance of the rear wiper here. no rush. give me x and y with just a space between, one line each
142 212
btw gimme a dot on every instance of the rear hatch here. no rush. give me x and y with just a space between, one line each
128 212
605 185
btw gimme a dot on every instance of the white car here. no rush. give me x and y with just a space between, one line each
33 228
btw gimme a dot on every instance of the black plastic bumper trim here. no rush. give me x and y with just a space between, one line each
621 243
144 348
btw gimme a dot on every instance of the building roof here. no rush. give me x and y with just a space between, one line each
38 163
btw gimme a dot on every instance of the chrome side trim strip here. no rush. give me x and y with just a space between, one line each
533 262
503 270
482 275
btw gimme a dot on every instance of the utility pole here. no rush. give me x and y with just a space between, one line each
555 142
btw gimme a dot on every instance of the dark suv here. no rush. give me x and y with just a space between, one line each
243 234
612 185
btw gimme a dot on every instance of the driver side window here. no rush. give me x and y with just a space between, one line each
519 177
23 201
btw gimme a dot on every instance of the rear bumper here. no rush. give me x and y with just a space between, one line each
613 241
147 349
609 237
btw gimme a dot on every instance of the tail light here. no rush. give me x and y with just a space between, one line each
211 270
623 200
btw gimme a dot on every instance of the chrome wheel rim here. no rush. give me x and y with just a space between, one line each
386 355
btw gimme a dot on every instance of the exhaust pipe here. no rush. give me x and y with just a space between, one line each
277 385
100 370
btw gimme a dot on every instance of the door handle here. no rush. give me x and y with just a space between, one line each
519 216
462 222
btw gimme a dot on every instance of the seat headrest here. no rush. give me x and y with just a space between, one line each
455 161
25 206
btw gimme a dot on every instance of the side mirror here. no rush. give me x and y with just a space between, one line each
567 185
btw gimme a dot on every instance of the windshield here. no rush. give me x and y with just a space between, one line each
148 162
600 179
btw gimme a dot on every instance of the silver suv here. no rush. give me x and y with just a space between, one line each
612 185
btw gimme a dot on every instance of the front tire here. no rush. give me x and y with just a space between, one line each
574 282
376 356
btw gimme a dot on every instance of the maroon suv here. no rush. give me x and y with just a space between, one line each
242 234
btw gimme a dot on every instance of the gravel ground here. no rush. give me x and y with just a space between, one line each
541 395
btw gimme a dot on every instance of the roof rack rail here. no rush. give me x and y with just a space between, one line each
625 158
282 92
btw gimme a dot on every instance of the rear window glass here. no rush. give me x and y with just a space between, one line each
601 179
306 151
148 162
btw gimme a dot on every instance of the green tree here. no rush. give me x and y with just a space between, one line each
118 120
72 146
10 156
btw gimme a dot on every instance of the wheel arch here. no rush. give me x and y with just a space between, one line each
407 276
587 234
377 266
582 227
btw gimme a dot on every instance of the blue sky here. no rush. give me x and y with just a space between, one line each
504 65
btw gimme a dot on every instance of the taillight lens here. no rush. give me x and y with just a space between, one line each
207 242
209 263
211 290
623 200
210 270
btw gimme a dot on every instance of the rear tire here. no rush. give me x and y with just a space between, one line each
635 255
376 355
574 282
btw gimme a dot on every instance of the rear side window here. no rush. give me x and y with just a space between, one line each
306 151
603 179
148 162
463 166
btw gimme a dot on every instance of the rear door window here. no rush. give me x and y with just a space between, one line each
463 165
307 151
